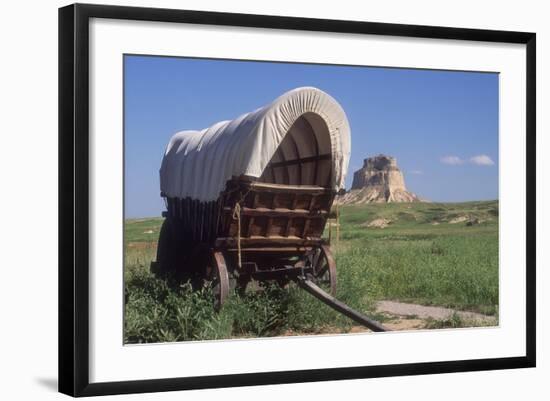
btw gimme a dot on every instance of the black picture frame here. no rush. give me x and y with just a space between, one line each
74 198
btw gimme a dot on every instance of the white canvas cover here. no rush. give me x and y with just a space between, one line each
197 164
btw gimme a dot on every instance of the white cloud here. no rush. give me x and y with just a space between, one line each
416 172
452 160
482 160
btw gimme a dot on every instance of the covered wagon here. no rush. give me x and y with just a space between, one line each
249 198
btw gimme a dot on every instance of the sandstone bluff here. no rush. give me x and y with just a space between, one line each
378 181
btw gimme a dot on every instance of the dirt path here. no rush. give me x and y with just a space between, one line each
405 316
424 312
412 316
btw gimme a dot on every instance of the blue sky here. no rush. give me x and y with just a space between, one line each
442 126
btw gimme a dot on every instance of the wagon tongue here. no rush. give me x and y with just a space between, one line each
313 289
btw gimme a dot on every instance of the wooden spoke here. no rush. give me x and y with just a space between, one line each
316 257
324 269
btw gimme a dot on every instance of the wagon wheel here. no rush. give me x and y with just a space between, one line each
324 269
173 255
216 273
169 255
163 247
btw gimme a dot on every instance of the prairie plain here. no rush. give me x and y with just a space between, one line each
418 254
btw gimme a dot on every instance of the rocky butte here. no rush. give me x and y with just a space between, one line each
378 181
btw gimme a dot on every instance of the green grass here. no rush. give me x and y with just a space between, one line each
412 260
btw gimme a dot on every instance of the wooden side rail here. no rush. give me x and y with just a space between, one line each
275 242
278 212
277 188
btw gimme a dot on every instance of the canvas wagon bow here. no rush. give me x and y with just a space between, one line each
249 198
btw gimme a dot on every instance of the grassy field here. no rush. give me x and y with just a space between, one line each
427 253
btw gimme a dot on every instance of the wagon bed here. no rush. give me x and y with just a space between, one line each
256 230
